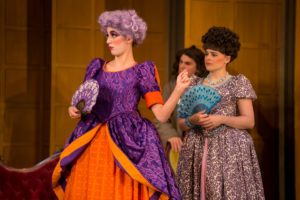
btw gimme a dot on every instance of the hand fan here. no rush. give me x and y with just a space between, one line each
85 96
197 98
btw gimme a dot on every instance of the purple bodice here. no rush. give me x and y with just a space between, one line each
119 92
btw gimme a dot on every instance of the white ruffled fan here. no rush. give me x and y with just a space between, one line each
199 97
85 96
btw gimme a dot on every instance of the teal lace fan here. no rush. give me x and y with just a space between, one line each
199 97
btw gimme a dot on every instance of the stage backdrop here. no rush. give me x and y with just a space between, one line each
25 71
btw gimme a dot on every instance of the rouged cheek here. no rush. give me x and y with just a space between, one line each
219 59
117 41
213 61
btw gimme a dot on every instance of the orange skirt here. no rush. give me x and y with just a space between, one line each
95 175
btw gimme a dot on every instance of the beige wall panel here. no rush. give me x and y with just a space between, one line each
16 47
19 52
16 12
154 12
99 8
100 44
20 126
73 13
24 35
197 23
118 4
21 86
254 23
19 156
247 63
16 79
259 66
73 47
151 50
64 126
67 80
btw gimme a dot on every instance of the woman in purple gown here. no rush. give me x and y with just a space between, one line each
226 166
114 153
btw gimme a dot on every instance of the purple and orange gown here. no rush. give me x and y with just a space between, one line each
114 153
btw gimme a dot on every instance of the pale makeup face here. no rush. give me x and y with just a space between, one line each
187 63
117 43
215 60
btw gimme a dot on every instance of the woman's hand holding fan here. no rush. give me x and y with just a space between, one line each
196 103
198 98
84 98
198 118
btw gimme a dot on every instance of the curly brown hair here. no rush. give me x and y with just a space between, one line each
222 39
194 53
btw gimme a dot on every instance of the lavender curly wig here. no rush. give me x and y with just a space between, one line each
127 22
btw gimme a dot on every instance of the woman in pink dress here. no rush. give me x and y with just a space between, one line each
226 165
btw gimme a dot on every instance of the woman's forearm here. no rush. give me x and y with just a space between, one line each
246 118
163 112
240 122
